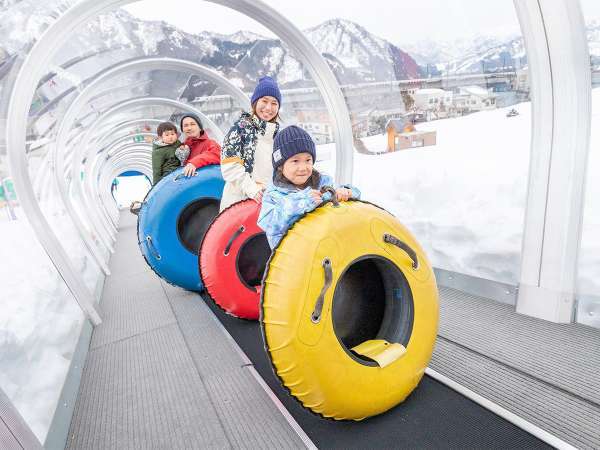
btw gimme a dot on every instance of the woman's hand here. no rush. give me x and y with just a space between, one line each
189 170
316 196
343 194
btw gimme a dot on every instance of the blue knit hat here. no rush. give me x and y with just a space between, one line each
289 142
266 86
193 116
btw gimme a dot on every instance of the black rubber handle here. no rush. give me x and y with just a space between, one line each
233 237
152 248
315 317
331 190
403 246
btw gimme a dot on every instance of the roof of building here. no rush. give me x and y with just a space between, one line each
475 90
430 91
397 124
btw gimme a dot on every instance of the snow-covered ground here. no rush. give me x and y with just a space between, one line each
40 323
464 198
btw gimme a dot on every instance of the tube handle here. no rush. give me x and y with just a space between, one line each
331 191
388 238
315 317
233 237
152 248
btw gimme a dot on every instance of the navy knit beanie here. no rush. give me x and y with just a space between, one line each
289 142
193 116
266 86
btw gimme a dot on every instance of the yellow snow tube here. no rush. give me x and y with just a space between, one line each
349 311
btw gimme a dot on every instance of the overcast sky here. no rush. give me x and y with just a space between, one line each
435 19
404 22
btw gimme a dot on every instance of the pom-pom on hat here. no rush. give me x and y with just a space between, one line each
266 86
289 142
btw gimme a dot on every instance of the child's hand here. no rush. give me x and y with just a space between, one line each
259 196
343 194
316 196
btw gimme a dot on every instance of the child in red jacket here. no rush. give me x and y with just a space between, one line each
203 150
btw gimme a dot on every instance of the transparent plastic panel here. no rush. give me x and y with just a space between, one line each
438 96
40 323
588 280
242 50
441 119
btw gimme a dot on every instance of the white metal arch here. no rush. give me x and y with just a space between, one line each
47 46
107 175
82 152
98 168
558 55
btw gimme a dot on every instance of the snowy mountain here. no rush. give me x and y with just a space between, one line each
244 37
490 53
354 54
373 58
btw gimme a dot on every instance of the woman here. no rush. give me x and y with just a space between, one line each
248 146
203 151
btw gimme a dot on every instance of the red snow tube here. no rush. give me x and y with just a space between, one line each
232 259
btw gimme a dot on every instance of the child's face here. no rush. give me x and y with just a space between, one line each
168 137
190 127
267 107
298 168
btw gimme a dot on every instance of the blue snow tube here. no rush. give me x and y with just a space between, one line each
173 220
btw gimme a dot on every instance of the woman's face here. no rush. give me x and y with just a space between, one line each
190 127
298 168
267 108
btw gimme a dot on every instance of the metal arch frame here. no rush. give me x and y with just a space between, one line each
124 161
558 55
104 237
109 175
104 179
137 64
98 165
122 126
88 94
116 130
125 165
83 151
90 181
47 46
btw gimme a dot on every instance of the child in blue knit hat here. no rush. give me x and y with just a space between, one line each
296 187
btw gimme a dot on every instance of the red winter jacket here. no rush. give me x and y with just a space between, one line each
203 151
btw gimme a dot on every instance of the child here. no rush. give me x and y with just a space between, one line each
203 151
164 148
296 185
247 148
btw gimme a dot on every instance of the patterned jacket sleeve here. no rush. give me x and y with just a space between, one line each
280 209
232 163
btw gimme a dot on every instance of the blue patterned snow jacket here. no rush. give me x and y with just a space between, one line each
282 206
